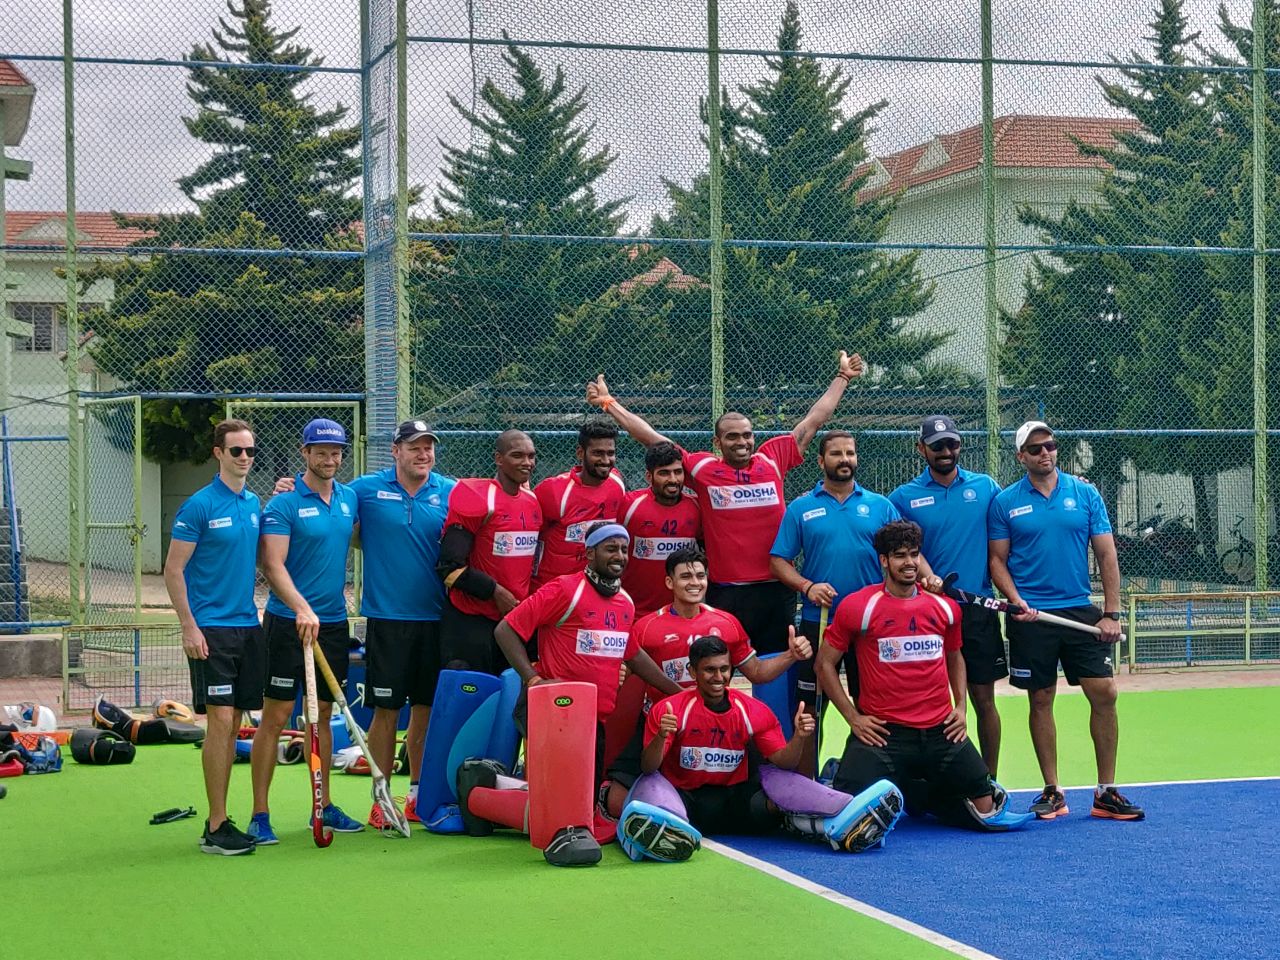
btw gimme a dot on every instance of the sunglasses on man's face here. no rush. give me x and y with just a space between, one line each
939 445
1035 448
238 452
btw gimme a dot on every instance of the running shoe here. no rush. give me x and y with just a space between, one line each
227 841
1050 804
1112 806
376 819
260 831
411 810
336 820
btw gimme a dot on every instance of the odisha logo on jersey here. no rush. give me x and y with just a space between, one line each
890 650
744 495
927 647
689 758
643 548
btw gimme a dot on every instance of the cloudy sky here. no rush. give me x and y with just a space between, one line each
132 145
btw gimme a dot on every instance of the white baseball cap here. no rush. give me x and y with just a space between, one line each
1027 429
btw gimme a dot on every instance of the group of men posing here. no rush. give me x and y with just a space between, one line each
576 577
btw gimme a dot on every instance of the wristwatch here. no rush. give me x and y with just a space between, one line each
1113 615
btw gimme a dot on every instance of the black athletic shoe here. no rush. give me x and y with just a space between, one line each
1050 804
476 773
572 847
1112 806
228 840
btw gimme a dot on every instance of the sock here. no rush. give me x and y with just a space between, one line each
511 783
1103 788
413 791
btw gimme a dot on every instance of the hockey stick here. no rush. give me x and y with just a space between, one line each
319 833
395 822
819 707
1004 606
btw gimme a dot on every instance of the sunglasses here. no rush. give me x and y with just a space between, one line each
1035 448
249 452
939 445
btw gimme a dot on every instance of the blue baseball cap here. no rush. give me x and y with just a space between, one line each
321 430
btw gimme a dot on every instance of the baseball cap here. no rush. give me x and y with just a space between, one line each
321 430
1027 429
412 430
935 428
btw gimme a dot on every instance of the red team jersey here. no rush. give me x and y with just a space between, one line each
901 646
505 528
666 637
742 509
657 531
581 635
569 507
709 749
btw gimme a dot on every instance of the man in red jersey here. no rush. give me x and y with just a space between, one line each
716 760
571 502
486 555
909 722
661 519
742 503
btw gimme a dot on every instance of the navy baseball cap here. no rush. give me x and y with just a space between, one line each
321 430
938 427
412 430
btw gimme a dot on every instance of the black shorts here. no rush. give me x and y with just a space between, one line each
951 769
466 642
765 610
284 657
740 808
806 675
402 662
984 656
233 674
625 768
1036 649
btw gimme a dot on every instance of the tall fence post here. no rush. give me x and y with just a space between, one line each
991 311
717 208
75 505
404 331
1260 498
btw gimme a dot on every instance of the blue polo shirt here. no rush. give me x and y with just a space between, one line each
400 537
1049 539
222 571
954 521
835 540
319 535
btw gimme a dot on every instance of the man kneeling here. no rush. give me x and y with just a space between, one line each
699 778
905 726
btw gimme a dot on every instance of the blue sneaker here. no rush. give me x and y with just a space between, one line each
339 822
260 831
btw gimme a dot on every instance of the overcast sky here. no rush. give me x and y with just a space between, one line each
132 145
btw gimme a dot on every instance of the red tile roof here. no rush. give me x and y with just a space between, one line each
1021 141
665 270
95 229
11 76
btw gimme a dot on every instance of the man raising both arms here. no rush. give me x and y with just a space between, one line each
487 553
741 498
662 519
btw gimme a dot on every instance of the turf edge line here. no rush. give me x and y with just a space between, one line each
1158 783
841 900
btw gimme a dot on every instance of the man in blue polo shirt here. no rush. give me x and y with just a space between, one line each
306 534
402 511
1041 529
209 573
950 505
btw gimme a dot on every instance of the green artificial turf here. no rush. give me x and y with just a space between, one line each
91 878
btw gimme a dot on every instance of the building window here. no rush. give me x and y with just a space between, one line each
49 327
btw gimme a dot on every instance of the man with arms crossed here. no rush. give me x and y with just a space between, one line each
209 573
1041 529
303 552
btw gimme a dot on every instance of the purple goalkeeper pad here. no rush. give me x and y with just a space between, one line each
793 793
656 790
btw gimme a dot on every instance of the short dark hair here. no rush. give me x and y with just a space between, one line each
834 435
705 647
661 454
897 534
686 555
729 415
221 430
509 438
596 429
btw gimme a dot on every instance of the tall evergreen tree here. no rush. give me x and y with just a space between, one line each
281 176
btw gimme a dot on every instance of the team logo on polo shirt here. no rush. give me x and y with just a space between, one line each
906 649
813 514
217 523
389 495
602 643
253 518
309 512
743 495
971 494
864 510
1020 511
346 509
922 502
434 500
1068 503
711 759
514 544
